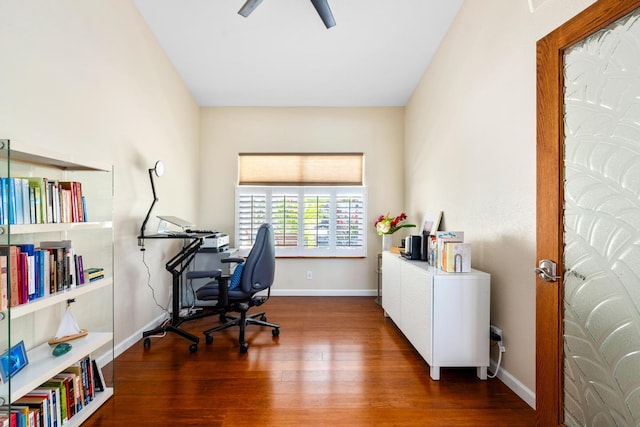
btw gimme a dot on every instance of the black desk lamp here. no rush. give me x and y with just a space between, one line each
158 169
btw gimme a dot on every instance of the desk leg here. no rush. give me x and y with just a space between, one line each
175 320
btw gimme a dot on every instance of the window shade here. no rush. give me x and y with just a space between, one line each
301 169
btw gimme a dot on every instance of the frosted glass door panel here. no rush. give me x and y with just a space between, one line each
602 228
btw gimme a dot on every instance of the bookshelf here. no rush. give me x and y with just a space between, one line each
54 284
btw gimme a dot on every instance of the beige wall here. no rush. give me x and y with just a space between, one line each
470 152
88 79
377 132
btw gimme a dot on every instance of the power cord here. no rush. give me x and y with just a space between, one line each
153 291
501 349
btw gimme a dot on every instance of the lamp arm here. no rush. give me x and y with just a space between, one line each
155 199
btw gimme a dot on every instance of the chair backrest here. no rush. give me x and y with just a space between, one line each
259 268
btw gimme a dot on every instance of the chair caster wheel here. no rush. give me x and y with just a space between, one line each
275 332
244 347
263 318
193 348
208 339
223 318
146 343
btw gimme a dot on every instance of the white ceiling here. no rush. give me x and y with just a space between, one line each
282 54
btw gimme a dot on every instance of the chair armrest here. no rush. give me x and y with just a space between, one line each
204 274
229 260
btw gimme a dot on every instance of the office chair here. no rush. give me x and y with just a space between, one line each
238 291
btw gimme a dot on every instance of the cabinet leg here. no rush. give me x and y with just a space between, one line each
481 371
434 372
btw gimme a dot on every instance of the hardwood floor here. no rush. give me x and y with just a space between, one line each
337 362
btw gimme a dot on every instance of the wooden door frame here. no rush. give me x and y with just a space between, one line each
549 196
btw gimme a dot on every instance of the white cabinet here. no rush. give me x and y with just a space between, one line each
33 318
391 286
445 316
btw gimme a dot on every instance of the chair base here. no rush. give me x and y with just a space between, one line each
174 327
242 321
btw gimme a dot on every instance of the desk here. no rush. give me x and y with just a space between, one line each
176 266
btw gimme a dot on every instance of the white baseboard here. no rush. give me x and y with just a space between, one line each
324 292
516 386
120 347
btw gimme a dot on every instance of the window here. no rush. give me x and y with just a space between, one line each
308 220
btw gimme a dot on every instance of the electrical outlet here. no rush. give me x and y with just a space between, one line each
495 333
309 274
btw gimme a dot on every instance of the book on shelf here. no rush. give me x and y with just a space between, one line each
8 419
4 206
28 272
79 269
93 273
60 384
4 291
82 370
21 414
37 188
39 200
73 200
69 387
53 394
39 404
98 379
11 254
27 252
64 255
53 201
18 199
11 200
78 389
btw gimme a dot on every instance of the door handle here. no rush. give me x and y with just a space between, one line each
547 271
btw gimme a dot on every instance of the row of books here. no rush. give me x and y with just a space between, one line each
41 201
28 272
57 400
447 251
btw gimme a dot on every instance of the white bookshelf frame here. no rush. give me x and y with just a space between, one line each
42 364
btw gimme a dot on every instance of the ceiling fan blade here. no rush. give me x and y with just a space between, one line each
248 7
322 7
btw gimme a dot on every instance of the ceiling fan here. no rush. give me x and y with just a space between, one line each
322 7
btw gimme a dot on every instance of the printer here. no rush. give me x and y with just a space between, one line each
216 242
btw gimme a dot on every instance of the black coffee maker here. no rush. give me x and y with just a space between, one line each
424 255
413 247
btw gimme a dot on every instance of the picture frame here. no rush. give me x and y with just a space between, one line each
431 222
12 361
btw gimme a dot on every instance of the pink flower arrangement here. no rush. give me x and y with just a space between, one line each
388 225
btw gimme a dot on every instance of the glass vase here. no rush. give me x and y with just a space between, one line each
387 240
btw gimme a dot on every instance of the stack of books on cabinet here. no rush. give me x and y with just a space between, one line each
46 243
